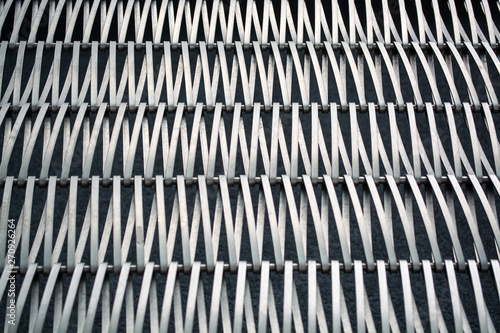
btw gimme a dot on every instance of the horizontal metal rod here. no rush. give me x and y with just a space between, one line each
248 46
250 268
257 180
226 109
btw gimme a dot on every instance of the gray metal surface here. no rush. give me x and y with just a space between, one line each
250 165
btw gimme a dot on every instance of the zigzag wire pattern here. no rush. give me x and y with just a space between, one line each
333 21
179 301
265 75
182 131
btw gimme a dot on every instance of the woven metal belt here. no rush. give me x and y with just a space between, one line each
249 165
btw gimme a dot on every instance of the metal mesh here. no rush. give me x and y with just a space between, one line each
249 165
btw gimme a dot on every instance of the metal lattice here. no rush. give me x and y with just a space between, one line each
250 165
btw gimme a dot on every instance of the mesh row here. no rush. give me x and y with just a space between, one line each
246 301
334 219
252 74
255 142
245 21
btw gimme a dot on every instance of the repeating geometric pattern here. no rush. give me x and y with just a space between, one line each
250 165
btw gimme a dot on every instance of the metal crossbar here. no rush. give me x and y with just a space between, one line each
249 165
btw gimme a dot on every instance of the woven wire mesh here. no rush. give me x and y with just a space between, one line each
249 165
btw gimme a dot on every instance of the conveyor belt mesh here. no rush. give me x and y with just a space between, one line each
249 165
